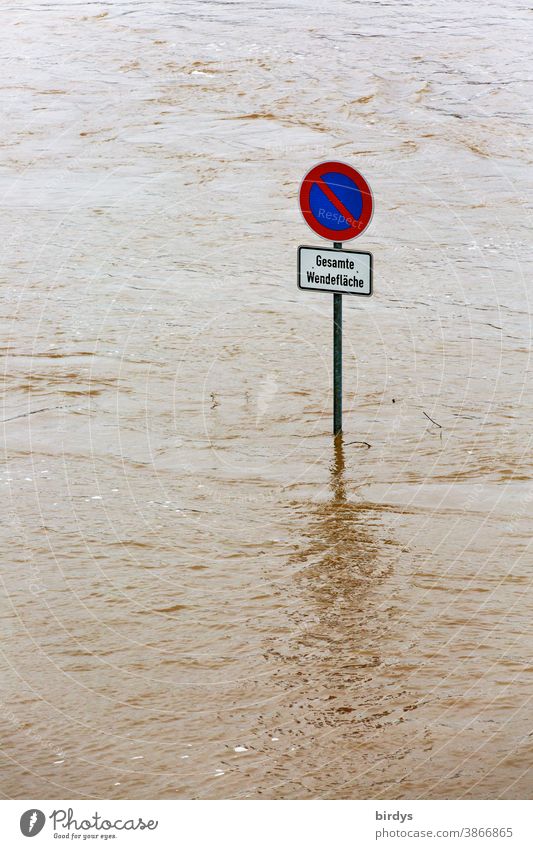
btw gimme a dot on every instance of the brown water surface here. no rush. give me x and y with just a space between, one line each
204 595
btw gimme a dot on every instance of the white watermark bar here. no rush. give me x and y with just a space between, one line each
310 824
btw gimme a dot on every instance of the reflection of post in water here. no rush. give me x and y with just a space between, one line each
332 662
343 554
345 561
337 469
335 664
341 617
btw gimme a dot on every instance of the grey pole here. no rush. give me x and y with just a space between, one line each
337 357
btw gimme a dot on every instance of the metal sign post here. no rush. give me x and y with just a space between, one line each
340 272
337 357
336 202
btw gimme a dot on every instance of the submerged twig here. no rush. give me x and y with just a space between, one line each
431 420
40 410
359 442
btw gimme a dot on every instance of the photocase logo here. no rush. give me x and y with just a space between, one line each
32 822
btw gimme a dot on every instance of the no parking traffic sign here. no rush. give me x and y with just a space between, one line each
336 201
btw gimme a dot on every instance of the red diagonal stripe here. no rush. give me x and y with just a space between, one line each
339 206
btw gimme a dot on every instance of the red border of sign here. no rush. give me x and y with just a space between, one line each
368 202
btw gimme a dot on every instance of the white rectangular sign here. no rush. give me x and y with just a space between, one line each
331 270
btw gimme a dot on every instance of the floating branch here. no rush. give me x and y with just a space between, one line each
432 420
40 410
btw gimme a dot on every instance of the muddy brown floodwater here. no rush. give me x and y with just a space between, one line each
204 596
